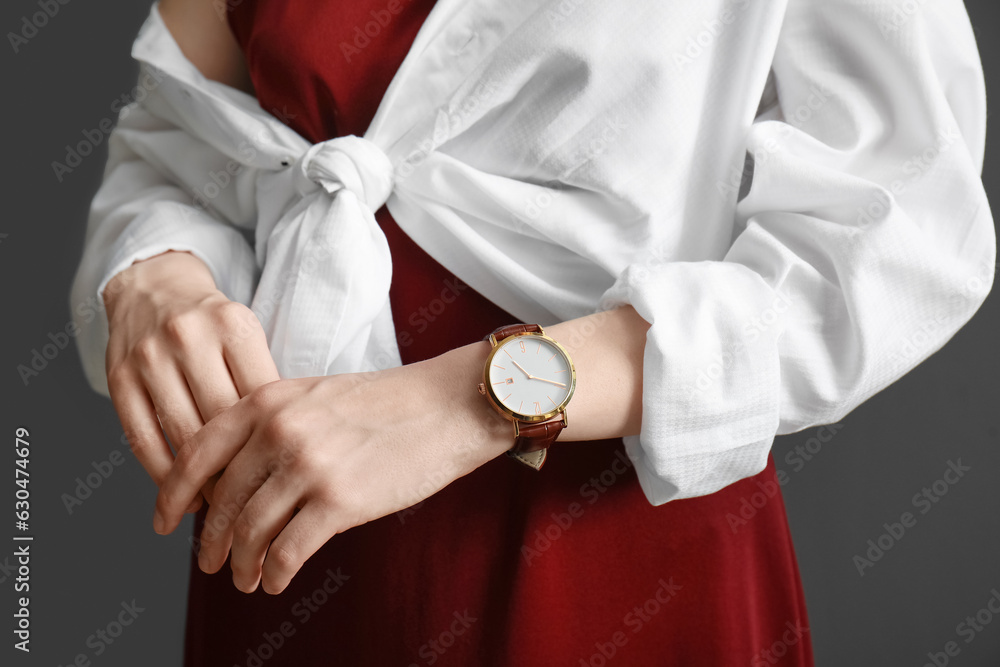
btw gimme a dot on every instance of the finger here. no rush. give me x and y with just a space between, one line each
174 402
178 415
208 490
204 495
142 428
216 538
205 454
210 382
239 482
249 358
298 541
136 412
194 505
263 517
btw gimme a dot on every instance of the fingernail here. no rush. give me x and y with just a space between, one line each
158 522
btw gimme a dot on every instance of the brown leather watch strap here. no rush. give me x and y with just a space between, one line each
533 441
532 437
512 329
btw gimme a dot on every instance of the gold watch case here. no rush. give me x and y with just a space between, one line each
486 388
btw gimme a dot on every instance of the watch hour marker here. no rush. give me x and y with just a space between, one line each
520 407
538 408
551 358
522 347
506 397
562 371
507 353
500 367
550 398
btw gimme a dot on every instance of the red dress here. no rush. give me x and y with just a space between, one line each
506 566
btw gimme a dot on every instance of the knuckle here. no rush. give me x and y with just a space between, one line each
147 352
263 398
180 328
339 499
283 558
118 376
282 429
234 316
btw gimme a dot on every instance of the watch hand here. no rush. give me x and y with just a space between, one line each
558 384
530 376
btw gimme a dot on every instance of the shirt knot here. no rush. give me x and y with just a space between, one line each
347 163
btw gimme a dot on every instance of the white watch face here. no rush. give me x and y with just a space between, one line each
531 376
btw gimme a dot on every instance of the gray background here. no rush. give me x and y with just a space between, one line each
85 565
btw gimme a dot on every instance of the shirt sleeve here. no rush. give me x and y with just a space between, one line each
139 211
864 243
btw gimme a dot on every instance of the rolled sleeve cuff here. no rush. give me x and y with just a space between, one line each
173 226
711 374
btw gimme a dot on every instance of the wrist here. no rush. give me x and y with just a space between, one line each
458 372
149 277
607 348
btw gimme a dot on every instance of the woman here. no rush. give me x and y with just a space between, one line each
574 165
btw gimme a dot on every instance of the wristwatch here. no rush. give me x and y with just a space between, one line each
529 378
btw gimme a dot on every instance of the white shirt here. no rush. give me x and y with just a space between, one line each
563 159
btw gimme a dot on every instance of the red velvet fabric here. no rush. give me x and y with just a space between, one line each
506 566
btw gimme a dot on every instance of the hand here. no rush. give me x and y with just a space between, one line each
308 458
179 353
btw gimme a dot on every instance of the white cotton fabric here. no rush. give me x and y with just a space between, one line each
566 157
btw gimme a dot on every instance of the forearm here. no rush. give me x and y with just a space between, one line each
344 449
607 351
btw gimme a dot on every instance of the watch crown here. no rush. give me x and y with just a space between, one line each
482 388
